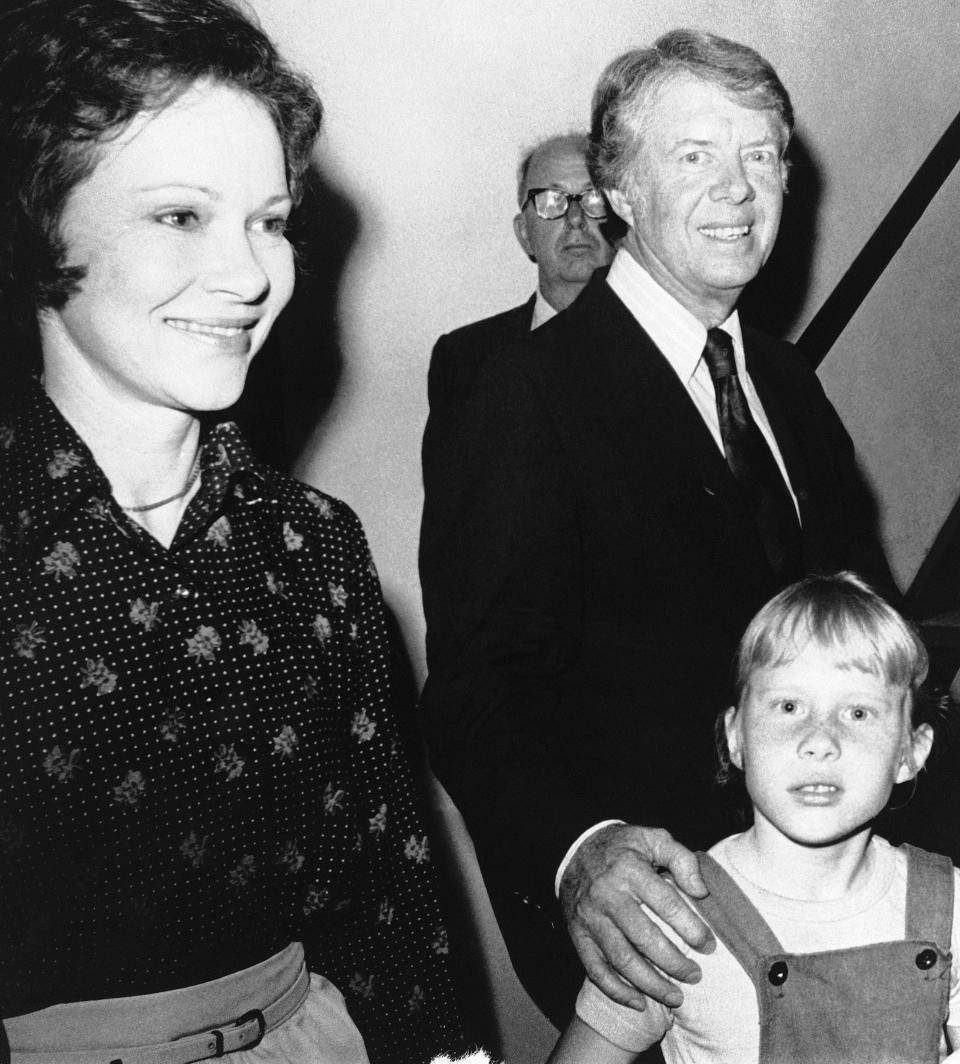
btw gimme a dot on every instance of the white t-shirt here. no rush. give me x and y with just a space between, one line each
719 1019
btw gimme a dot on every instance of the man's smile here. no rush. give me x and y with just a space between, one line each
725 233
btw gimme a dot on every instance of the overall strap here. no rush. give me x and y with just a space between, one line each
929 897
733 917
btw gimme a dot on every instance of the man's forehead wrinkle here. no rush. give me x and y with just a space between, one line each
551 169
689 119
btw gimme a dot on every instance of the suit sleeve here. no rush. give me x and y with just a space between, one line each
500 575
437 385
856 542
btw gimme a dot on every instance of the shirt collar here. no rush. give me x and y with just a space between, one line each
542 311
676 332
46 470
227 463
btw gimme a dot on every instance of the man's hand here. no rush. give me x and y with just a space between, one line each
611 876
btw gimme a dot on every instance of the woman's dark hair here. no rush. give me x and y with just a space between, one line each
73 75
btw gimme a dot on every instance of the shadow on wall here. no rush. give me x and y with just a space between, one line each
290 389
293 380
774 300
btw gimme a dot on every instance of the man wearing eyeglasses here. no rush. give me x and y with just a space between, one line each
640 484
559 225
559 222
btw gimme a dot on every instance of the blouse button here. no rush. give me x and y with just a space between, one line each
183 592
779 971
926 959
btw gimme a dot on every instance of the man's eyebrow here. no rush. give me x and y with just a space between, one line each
772 139
697 142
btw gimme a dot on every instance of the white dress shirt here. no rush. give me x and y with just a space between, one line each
681 338
542 312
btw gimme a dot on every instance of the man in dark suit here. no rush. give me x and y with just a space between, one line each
558 225
606 516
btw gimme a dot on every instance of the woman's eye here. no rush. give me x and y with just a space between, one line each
182 219
858 713
788 706
693 157
275 226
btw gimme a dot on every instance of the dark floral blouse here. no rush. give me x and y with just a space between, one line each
198 761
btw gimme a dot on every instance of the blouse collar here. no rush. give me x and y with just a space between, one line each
46 470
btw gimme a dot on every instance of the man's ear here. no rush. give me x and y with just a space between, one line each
915 753
520 229
731 728
621 205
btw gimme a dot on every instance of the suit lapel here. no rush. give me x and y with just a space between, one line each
790 434
523 317
808 464
627 384
612 384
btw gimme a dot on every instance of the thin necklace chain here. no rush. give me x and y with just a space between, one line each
191 480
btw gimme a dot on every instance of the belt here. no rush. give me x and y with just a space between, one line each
243 1033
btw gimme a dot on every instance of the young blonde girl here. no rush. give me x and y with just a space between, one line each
834 947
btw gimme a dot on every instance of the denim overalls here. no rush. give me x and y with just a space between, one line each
879 1004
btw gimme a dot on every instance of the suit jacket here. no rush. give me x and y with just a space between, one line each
458 355
588 566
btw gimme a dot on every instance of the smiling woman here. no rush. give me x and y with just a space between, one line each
205 811
183 276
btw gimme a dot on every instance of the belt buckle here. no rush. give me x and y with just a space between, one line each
253 1014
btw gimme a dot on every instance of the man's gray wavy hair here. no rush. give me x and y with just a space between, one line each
623 99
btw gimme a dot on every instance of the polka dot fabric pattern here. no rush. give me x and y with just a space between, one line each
198 761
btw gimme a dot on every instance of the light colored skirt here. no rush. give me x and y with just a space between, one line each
305 1022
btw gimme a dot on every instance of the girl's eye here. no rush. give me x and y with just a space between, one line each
858 713
694 157
788 706
181 219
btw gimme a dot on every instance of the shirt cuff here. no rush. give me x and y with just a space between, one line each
568 856
629 1029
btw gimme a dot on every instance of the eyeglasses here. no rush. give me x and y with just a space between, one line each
553 203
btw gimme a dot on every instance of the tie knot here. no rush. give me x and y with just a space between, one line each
718 354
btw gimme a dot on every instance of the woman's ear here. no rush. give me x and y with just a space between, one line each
731 728
915 753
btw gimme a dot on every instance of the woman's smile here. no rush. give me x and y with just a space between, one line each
231 336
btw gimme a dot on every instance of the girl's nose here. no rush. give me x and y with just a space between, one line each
819 743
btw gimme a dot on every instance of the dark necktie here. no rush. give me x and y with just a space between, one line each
752 463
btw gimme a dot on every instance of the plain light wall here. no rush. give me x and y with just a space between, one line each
894 376
428 104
